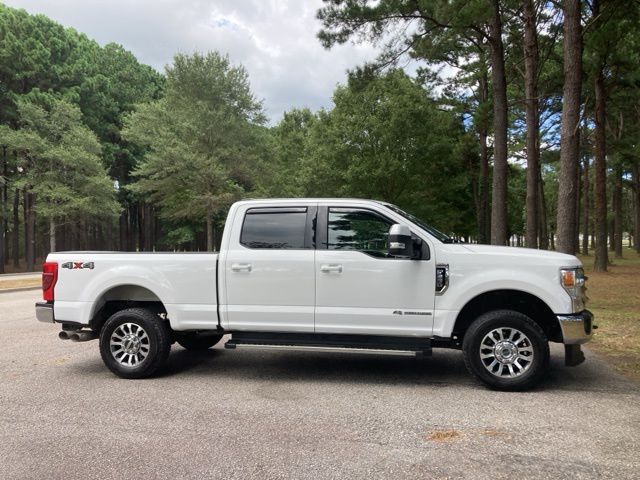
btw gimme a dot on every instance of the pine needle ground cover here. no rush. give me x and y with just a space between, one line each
614 299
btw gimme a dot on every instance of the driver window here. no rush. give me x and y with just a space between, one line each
361 230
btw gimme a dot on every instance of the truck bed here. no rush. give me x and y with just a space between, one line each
185 283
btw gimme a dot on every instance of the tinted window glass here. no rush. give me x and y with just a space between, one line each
274 230
358 230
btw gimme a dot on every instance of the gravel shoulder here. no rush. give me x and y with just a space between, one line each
265 414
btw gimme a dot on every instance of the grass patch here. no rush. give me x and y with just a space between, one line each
614 298
21 283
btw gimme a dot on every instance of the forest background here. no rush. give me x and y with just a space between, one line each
531 141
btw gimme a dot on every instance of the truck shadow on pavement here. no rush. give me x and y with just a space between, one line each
444 368
309 366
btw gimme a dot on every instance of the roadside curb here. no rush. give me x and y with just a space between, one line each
19 289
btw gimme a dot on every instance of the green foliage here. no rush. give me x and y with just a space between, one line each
186 144
200 138
387 139
287 148
59 160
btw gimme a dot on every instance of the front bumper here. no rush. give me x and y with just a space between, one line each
44 312
577 328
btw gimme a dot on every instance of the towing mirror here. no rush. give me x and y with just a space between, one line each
400 241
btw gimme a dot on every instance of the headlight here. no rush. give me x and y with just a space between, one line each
573 281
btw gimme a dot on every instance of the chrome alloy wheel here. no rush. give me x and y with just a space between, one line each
129 344
506 352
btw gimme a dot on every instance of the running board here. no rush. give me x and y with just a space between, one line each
321 342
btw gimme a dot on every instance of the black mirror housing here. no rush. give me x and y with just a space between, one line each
400 241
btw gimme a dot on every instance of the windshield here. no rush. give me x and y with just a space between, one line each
413 219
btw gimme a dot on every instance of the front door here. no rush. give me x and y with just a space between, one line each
359 288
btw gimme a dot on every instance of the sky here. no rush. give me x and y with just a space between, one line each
274 39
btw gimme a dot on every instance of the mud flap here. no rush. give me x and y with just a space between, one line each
573 355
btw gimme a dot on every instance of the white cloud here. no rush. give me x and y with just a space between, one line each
274 39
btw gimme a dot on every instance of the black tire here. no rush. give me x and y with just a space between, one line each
528 372
197 342
155 343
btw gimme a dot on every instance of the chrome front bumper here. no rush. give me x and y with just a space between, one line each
44 312
576 328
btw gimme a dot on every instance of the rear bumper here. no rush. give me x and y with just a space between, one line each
44 312
577 328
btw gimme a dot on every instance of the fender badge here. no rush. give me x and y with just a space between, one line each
78 265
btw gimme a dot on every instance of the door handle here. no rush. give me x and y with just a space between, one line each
331 268
241 267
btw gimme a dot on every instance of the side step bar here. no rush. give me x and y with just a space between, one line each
321 342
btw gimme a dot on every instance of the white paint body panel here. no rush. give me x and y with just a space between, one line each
276 294
184 282
374 296
286 291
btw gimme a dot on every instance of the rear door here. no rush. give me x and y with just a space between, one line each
359 288
270 270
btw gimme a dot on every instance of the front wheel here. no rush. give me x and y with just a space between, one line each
506 350
135 343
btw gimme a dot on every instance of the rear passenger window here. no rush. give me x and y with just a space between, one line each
273 228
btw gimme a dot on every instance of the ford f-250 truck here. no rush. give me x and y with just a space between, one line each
326 274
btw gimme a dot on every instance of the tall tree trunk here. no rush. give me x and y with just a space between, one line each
617 212
5 200
84 233
569 135
124 223
636 204
141 229
600 167
52 235
15 247
531 105
148 231
499 220
30 231
542 214
585 207
483 133
3 210
576 234
611 231
132 230
209 232
108 244
636 194
25 206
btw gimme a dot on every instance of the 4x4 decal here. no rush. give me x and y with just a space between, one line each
78 265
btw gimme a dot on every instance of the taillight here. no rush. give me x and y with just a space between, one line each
49 279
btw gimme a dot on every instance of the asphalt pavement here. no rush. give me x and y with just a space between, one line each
276 414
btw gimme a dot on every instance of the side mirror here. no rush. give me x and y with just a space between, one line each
400 241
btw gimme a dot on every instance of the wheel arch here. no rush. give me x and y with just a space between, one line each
507 299
120 297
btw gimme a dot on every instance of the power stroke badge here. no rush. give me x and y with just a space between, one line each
78 265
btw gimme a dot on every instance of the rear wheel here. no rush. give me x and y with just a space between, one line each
506 350
198 341
135 343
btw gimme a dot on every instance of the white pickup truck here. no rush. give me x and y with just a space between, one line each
326 274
